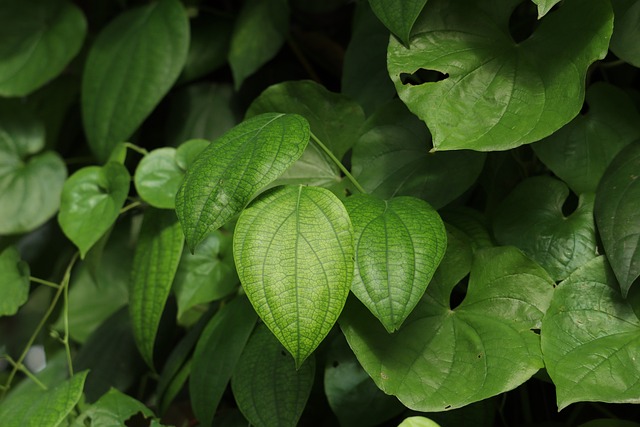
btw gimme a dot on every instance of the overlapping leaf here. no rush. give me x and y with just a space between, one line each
398 16
544 6
14 286
624 41
114 409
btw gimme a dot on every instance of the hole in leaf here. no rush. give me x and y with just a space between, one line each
536 331
447 407
523 21
480 356
335 364
570 205
422 76
585 108
283 353
458 293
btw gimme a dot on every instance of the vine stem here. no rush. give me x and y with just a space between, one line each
129 207
44 282
135 148
338 163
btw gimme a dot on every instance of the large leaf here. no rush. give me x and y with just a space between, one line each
398 16
124 79
91 202
624 41
14 286
618 217
580 152
269 387
37 40
228 173
399 243
114 409
294 255
494 93
591 339
444 358
154 265
531 218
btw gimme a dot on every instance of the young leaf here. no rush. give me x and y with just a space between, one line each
14 286
228 173
399 243
154 266
626 31
269 387
37 41
114 409
123 79
398 16
91 202
293 249
494 93
591 339
617 215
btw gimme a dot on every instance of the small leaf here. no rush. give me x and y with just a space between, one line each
544 6
228 173
91 202
418 422
154 266
398 16
37 41
123 79
617 215
624 41
293 249
14 286
399 243
114 409
269 387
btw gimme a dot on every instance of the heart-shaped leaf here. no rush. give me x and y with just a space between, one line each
494 93
37 40
398 16
444 358
293 249
531 219
123 80
399 243
14 286
624 41
591 339
228 173
617 215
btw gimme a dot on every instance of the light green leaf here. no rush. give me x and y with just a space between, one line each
624 41
269 387
228 173
494 93
154 266
399 243
398 16
531 219
293 249
591 339
259 32
123 79
91 202
418 422
618 217
37 40
114 408
14 286
444 358
580 152
216 355
544 6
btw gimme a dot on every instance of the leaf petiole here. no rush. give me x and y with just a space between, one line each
338 163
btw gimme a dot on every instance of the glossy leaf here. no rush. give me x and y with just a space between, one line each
216 355
91 202
14 286
399 243
154 266
531 218
37 41
617 215
544 6
123 79
591 339
418 422
444 358
114 409
269 387
494 93
293 249
398 16
626 31
228 173
580 152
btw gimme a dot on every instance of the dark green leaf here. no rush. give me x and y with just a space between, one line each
398 16
114 408
208 46
470 222
624 41
14 286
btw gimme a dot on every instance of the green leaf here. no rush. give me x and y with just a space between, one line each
269 387
114 408
532 219
30 180
399 243
154 266
544 6
624 41
494 93
216 355
392 158
472 223
418 422
91 202
398 16
591 339
293 249
580 152
259 32
228 173
617 215
37 41
14 286
444 358
124 79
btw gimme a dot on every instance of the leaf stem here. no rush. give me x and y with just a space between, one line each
130 206
44 282
338 163
20 367
135 148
